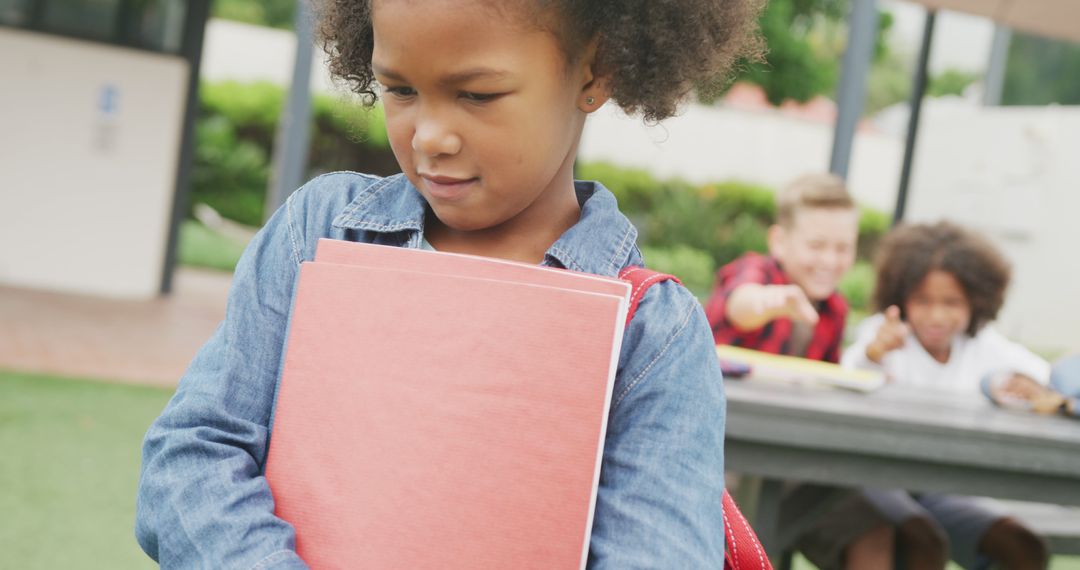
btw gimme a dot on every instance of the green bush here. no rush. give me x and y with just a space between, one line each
252 107
873 225
722 220
235 137
230 174
695 268
951 82
858 285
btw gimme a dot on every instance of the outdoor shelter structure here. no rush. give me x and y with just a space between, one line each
1057 19
111 89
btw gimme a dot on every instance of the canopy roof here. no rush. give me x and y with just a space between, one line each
1052 18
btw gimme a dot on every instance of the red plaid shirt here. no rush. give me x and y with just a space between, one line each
773 336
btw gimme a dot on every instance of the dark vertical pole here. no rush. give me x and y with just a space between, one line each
918 92
191 48
851 93
293 138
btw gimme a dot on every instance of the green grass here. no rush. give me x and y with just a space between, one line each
70 465
69 469
202 247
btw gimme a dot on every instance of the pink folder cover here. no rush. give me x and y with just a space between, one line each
430 420
353 253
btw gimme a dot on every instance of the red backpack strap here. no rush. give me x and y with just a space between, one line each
743 549
640 280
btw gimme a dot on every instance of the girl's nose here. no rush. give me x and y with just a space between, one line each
939 314
433 137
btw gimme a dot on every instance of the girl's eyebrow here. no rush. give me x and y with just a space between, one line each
451 79
474 73
387 73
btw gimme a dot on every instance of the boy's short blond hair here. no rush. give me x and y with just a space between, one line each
811 191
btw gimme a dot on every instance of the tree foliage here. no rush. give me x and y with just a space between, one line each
806 40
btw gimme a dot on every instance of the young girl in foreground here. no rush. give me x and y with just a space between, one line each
485 102
939 286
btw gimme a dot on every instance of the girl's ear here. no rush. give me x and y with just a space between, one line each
595 88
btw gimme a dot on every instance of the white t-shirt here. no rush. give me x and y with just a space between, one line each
970 359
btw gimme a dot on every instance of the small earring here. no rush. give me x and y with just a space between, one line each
589 101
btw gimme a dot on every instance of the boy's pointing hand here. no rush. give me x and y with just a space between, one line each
789 301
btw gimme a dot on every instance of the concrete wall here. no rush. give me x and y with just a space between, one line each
89 141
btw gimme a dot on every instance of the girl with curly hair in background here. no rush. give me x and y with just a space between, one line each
485 102
938 288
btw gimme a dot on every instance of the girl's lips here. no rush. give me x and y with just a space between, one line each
446 187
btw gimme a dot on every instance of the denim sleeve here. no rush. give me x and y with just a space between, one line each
662 476
203 501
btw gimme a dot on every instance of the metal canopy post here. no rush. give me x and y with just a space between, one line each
994 83
198 12
293 137
918 92
851 93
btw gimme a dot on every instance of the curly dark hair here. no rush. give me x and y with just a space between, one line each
910 252
653 52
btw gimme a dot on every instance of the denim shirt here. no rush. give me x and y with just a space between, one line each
203 500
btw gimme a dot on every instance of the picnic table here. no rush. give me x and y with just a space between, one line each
896 437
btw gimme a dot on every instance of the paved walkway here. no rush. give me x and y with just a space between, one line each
148 342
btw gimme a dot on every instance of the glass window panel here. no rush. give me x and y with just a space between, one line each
93 19
155 24
15 12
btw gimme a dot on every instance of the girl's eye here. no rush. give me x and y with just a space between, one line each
479 97
401 92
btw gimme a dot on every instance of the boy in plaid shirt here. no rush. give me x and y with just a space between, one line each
786 302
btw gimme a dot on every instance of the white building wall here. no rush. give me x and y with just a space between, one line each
1014 173
711 144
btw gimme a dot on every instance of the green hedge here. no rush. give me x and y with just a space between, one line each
858 285
235 135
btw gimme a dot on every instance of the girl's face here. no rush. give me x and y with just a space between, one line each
938 310
483 113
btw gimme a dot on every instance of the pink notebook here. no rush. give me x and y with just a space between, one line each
435 419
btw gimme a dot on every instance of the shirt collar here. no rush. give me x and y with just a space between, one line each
602 242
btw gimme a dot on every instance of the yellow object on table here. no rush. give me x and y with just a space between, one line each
795 370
